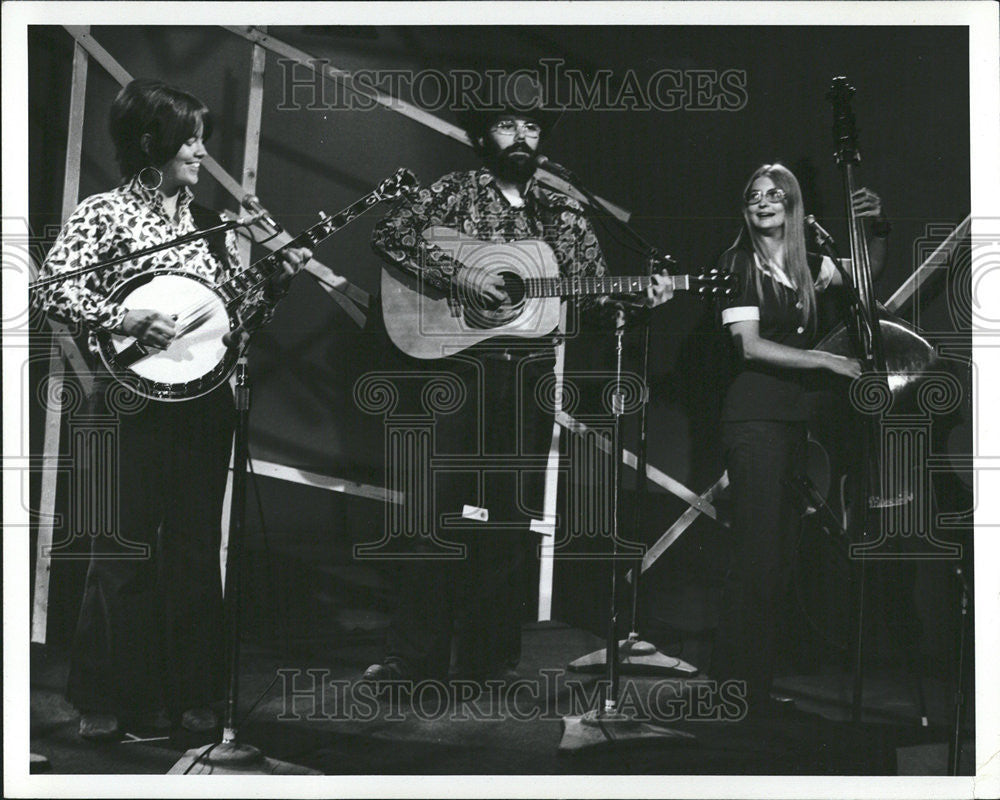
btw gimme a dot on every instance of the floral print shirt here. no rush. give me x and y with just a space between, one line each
471 203
124 220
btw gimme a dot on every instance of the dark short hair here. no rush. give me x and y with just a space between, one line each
168 115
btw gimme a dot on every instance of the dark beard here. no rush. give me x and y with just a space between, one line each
516 169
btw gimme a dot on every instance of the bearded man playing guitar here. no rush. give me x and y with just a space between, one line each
501 424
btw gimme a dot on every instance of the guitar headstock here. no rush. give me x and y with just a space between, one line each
845 132
399 184
716 284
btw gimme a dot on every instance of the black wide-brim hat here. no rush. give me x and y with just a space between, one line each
517 94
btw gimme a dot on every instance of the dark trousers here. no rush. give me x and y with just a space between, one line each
760 457
149 632
480 600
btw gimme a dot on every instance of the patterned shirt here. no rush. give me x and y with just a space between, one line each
124 220
472 203
763 391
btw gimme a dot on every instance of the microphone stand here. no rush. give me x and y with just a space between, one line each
955 743
230 755
156 248
229 751
634 655
607 725
638 655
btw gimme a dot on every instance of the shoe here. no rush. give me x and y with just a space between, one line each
99 727
382 673
199 720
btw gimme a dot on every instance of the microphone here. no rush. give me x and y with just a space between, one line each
246 222
822 235
556 169
252 204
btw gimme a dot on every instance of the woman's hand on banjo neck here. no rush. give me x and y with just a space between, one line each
292 260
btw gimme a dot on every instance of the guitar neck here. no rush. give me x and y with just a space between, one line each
253 276
579 286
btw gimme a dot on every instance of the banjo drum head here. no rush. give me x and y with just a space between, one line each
192 354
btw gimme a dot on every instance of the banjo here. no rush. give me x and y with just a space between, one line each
197 361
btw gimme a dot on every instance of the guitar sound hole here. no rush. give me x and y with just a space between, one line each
514 286
496 314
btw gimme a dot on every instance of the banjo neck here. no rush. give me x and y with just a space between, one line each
240 285
198 360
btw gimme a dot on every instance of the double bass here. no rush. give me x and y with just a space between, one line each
904 383
897 360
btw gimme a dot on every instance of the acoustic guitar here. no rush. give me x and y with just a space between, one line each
426 322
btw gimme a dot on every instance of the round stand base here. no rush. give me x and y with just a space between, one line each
39 764
606 729
232 754
635 657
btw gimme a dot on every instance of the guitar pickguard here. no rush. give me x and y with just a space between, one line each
426 323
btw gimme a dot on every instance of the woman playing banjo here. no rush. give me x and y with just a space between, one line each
148 644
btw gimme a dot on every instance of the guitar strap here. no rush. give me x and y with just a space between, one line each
206 218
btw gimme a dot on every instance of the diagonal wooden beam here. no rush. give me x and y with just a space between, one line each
408 110
547 525
657 476
62 347
935 261
251 142
683 522
81 33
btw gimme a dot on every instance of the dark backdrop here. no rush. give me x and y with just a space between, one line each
680 173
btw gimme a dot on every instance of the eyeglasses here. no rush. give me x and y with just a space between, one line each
774 195
509 127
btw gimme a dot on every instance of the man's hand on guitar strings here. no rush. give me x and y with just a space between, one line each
150 327
483 288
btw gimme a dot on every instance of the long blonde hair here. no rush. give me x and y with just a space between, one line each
796 266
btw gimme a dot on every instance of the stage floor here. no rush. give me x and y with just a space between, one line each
312 713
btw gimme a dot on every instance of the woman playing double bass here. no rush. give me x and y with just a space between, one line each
773 326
